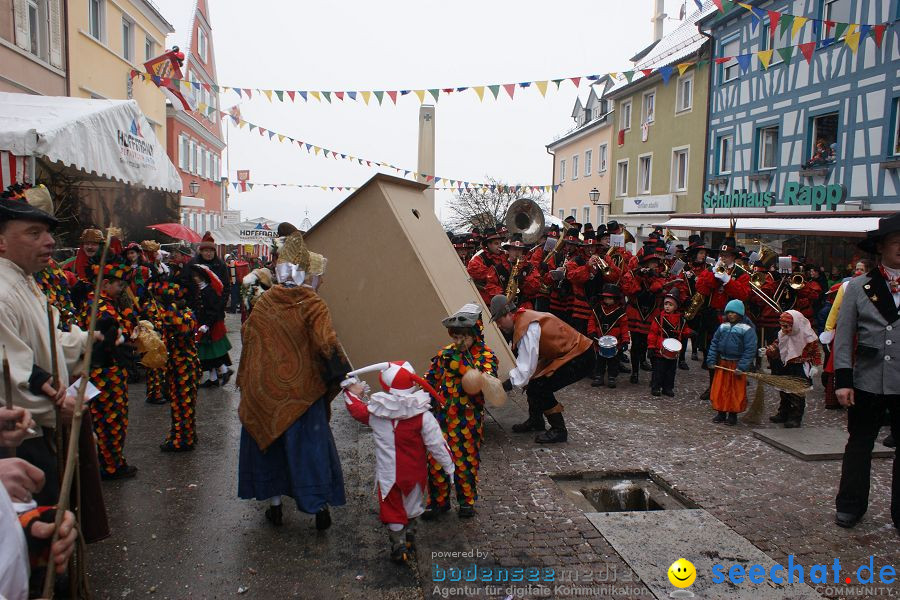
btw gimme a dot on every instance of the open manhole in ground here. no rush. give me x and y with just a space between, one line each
621 491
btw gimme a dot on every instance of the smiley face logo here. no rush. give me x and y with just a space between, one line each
682 573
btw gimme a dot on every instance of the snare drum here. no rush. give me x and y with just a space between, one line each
671 348
609 346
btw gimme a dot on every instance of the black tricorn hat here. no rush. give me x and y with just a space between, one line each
885 226
15 205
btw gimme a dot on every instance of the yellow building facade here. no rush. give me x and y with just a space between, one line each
109 38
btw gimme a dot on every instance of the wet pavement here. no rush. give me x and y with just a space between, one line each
179 530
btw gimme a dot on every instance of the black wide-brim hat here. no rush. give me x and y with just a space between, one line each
20 210
885 226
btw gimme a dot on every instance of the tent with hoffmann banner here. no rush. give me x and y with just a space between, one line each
100 159
258 233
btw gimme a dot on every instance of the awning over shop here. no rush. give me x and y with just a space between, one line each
111 138
829 226
254 231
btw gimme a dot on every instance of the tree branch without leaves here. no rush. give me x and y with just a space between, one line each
486 207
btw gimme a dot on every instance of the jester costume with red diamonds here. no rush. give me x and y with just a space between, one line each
462 417
183 368
109 409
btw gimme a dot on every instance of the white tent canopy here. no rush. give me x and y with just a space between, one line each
253 231
111 138
851 226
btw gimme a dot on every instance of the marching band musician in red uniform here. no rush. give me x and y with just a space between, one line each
537 256
624 259
578 273
528 279
643 287
764 316
668 323
726 282
560 288
489 268
609 318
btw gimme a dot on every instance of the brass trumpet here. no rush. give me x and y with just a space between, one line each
601 264
797 281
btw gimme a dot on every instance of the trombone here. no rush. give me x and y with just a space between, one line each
757 280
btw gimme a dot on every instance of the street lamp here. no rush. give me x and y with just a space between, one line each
195 187
594 195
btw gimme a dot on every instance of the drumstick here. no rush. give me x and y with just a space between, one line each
7 391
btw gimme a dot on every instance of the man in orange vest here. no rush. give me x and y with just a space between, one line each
550 355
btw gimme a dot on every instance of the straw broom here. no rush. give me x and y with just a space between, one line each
65 489
785 383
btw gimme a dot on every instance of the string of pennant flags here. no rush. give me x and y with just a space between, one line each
850 33
462 186
454 184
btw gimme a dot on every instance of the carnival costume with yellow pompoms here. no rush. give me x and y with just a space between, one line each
462 417
109 374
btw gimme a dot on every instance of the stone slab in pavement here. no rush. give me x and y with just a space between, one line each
651 541
815 443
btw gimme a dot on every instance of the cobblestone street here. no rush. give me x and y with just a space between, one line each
183 509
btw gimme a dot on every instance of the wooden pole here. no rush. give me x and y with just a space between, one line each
72 453
7 392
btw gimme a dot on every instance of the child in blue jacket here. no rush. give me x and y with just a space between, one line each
733 347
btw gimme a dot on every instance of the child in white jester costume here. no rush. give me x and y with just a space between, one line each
403 429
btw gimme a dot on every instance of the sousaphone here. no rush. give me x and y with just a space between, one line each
526 217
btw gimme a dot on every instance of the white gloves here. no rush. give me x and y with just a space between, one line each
550 244
813 371
723 277
557 274
203 328
761 352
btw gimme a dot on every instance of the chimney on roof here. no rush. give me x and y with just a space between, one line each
659 16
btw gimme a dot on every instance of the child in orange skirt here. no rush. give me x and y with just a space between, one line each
732 347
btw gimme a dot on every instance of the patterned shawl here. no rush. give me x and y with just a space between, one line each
291 358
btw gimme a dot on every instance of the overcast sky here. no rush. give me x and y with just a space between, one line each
409 44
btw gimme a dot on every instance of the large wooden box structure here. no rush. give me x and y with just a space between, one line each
393 276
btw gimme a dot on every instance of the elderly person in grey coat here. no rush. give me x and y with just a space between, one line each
867 369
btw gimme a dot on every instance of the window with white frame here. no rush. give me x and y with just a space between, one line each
575 213
202 42
725 154
96 18
622 177
767 41
767 144
588 159
149 48
33 40
193 157
601 210
183 151
685 99
602 158
574 167
896 139
680 158
645 173
625 117
562 214
586 214
127 39
731 69
838 11
201 168
562 170
824 130
648 108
